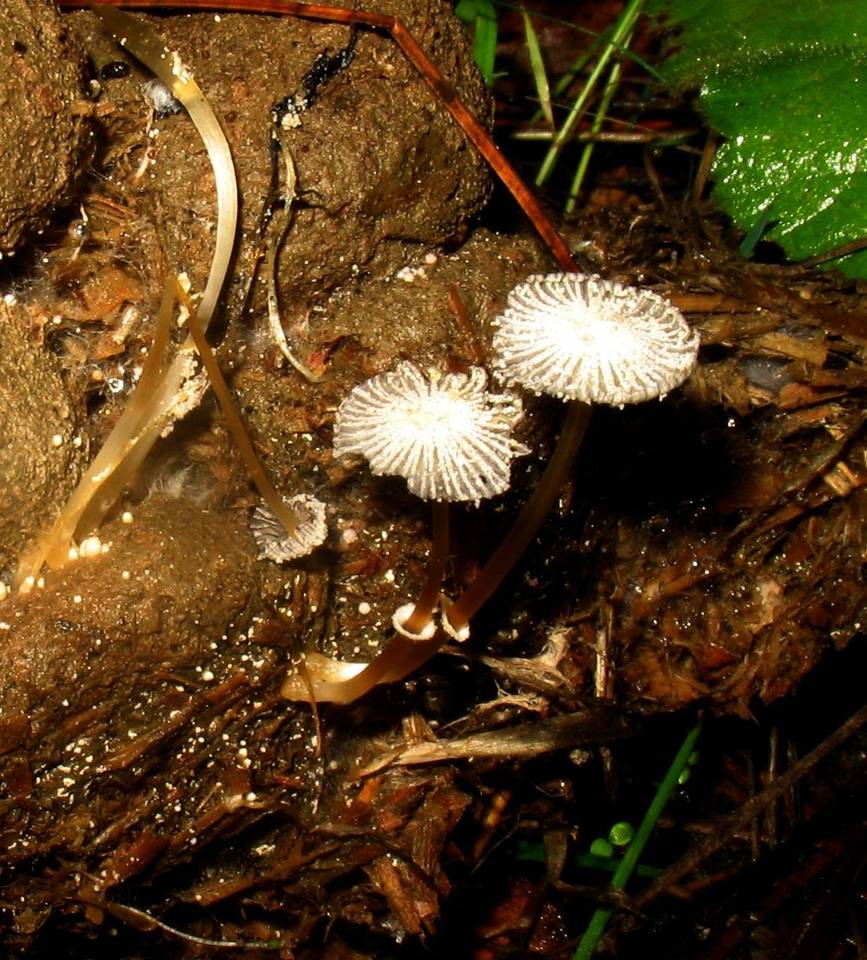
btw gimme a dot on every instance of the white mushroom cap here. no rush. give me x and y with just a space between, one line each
274 542
585 338
445 434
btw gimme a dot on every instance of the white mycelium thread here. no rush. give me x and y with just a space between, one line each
273 541
445 434
585 338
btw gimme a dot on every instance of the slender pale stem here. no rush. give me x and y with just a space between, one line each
430 592
401 655
399 658
529 519
236 427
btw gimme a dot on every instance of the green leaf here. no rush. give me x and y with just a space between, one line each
468 10
483 15
786 84
601 847
621 834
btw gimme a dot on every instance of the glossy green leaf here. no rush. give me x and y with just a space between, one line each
786 84
483 16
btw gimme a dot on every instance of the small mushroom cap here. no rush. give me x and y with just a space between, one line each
445 434
274 542
584 338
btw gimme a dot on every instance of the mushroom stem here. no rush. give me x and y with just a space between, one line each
235 424
398 659
401 655
145 45
528 521
427 599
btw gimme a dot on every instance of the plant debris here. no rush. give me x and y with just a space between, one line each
161 798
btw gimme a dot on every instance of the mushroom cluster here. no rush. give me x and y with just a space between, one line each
447 436
580 338
451 440
586 340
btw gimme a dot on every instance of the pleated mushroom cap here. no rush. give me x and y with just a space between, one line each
275 543
584 338
445 434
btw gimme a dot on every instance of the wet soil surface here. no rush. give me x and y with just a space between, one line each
708 550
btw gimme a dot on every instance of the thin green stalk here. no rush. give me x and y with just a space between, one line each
599 920
577 66
623 29
595 127
535 853
537 63
483 16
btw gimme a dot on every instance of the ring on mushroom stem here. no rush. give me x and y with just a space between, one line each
451 440
585 340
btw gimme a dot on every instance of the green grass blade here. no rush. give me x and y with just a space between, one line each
595 127
575 68
485 41
623 29
599 920
540 75
751 240
485 46
483 16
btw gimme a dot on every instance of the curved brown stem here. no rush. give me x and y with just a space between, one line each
401 655
529 520
399 658
430 592
236 427
443 90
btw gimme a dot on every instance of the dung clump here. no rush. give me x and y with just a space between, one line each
43 137
40 457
